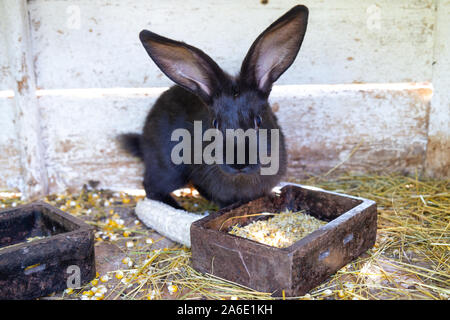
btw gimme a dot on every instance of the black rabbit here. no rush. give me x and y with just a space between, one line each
204 92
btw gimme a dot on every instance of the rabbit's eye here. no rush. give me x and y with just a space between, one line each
215 124
258 121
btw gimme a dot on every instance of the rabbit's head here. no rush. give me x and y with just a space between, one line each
239 102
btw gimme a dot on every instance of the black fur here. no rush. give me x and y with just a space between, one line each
204 93
131 142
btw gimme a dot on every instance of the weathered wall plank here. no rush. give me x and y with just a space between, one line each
438 151
10 170
9 149
26 115
322 125
80 45
386 125
86 44
5 77
79 135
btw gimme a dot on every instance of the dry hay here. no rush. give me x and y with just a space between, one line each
410 259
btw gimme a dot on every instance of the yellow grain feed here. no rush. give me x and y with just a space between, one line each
281 231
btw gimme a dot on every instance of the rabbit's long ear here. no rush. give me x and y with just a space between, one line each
275 50
186 65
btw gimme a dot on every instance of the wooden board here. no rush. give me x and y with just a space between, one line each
95 44
322 126
82 45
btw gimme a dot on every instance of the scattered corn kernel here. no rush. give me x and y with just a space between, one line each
119 275
152 295
280 231
94 282
327 292
126 260
130 244
126 233
349 286
99 295
88 293
104 278
69 291
102 289
172 289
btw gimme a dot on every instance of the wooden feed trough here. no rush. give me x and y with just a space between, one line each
38 245
351 231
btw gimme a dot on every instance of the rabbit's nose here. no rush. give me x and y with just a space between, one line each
242 168
239 167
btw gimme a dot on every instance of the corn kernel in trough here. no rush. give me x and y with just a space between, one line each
281 231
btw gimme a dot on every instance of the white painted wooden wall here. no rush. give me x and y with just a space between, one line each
73 75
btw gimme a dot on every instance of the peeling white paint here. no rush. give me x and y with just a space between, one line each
322 125
438 151
22 81
9 147
341 45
